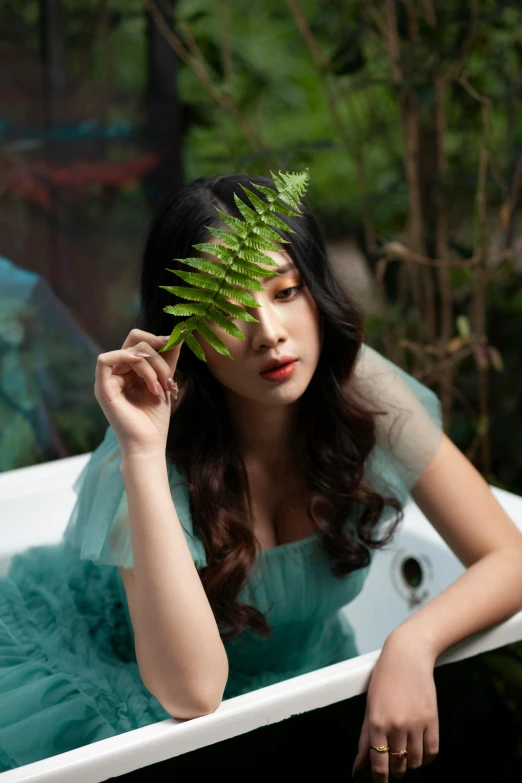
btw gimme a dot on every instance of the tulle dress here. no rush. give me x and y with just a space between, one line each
68 670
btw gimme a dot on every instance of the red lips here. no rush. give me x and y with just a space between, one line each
272 363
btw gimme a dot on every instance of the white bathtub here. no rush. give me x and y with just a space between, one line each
35 503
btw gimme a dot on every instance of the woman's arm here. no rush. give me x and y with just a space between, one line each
181 657
401 707
460 505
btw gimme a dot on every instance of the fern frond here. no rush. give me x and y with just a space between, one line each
241 256
191 293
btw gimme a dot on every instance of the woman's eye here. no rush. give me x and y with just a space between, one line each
293 288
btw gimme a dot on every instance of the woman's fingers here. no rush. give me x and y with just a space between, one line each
164 369
397 742
385 766
379 760
140 365
136 336
140 357
430 743
415 749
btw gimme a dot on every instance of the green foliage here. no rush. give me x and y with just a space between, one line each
241 255
276 87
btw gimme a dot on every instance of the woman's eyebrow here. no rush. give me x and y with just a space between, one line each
281 271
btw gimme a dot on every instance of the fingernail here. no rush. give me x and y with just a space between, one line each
140 353
172 388
161 392
165 339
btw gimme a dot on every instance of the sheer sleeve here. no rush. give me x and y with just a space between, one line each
99 525
410 431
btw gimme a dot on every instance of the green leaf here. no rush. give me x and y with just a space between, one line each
213 339
267 232
286 211
259 243
225 253
186 309
247 213
175 338
195 347
247 254
271 195
259 205
236 311
244 229
241 228
246 266
243 259
190 293
239 295
274 221
238 278
228 237
463 326
290 187
228 256
213 267
225 324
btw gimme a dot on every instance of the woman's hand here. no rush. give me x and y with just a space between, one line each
134 391
401 709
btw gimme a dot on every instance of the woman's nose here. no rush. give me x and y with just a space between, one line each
269 329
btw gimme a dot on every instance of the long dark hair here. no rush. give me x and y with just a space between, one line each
335 432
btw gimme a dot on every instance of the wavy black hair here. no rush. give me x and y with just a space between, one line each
335 431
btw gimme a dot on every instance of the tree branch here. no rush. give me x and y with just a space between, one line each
198 66
356 151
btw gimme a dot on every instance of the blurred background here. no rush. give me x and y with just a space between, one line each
408 115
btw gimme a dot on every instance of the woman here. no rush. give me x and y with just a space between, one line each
217 535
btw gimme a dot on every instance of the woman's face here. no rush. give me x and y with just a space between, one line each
288 326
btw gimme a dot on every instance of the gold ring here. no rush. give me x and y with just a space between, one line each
402 754
381 749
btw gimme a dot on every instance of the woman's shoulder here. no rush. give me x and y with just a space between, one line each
409 425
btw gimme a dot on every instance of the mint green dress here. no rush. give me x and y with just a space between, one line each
68 671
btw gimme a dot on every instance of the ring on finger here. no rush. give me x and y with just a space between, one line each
402 754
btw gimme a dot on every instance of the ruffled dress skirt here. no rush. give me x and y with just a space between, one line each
68 670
